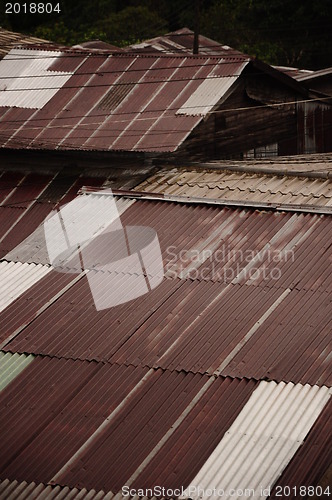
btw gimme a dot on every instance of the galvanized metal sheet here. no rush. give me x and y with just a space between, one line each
262 440
14 490
207 95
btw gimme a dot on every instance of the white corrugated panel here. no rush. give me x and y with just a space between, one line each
91 208
26 81
15 490
12 365
261 441
16 278
208 94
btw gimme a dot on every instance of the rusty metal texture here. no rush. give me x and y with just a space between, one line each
54 406
145 120
82 435
211 314
26 200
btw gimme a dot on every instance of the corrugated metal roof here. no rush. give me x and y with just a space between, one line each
314 74
222 280
241 186
16 278
98 414
153 391
209 93
311 464
262 440
25 78
11 365
182 41
10 39
15 490
26 200
145 120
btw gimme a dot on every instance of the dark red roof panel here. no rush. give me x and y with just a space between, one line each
212 320
73 117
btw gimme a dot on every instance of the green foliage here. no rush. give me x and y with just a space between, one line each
278 32
132 24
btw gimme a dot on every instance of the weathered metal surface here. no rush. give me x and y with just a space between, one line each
260 443
165 425
27 201
75 116
16 278
14 490
11 365
182 41
53 407
25 81
241 187
231 278
310 464
10 39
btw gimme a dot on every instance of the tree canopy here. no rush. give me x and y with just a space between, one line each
296 33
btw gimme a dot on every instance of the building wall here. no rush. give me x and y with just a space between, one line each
251 122
250 118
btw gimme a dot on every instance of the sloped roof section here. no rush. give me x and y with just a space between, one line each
10 39
266 434
241 186
61 101
182 41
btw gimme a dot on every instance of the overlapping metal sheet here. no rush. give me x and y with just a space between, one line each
16 278
311 464
15 490
260 443
25 80
98 412
226 305
26 200
182 41
10 39
207 95
74 118
241 186
11 365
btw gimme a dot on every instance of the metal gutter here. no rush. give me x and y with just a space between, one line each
280 207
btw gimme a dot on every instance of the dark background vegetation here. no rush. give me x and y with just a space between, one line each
293 33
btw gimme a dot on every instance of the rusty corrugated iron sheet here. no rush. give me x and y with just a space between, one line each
27 199
271 427
83 434
310 464
74 118
241 287
12 490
